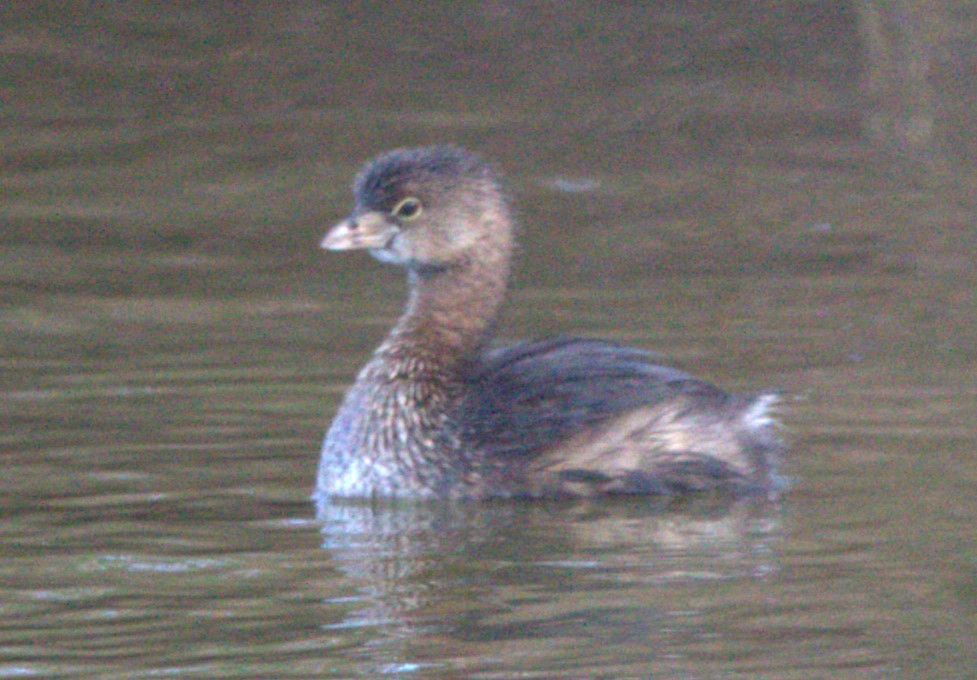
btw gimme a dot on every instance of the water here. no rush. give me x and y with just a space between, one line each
707 182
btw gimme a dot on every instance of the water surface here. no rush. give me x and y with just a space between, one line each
767 199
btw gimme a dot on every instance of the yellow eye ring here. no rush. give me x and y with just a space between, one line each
408 209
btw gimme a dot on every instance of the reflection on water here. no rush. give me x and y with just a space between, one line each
773 194
511 576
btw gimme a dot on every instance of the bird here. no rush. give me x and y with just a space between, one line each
440 412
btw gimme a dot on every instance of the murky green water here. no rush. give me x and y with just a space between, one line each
715 183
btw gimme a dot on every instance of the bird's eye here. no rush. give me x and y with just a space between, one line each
407 209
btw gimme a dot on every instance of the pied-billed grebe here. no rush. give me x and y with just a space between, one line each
437 413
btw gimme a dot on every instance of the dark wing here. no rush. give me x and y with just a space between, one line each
527 396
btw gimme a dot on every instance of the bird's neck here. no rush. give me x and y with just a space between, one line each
451 312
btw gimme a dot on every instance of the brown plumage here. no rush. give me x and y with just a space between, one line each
435 413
